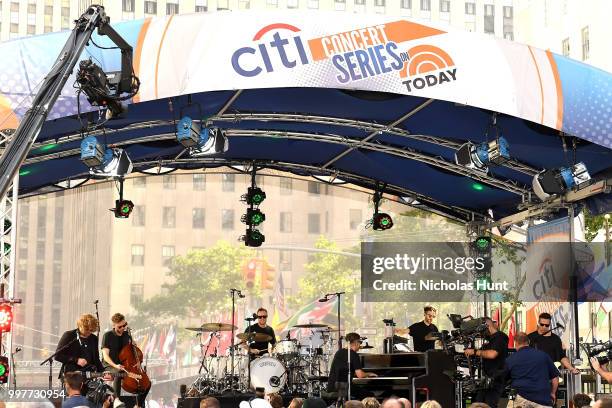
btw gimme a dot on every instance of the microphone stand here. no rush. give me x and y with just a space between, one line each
326 298
17 350
233 292
52 356
97 317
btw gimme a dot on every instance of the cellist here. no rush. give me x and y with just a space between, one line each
112 343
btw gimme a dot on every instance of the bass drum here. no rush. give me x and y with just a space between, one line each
268 373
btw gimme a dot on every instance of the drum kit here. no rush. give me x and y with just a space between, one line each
297 366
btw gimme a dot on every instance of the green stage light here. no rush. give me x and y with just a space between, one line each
382 221
253 238
254 196
253 217
123 208
477 186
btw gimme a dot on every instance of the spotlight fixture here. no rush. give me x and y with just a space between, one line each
254 196
4 369
200 141
558 181
254 216
104 162
478 156
382 221
253 238
123 208
6 317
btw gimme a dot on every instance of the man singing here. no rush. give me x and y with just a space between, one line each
77 349
545 340
493 354
259 348
419 330
112 343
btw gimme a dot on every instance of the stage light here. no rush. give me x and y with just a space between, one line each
253 216
483 244
104 162
123 208
254 196
6 318
478 156
382 221
253 238
4 369
200 141
558 181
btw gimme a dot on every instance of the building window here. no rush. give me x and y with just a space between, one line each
137 255
426 5
406 4
227 182
244 4
470 8
286 186
201 6
169 182
32 8
172 8
272 3
136 294
292 3
489 19
379 3
138 216
139 182
222 5
509 36
198 220
565 47
227 219
284 261
445 6
14 7
128 6
65 18
508 12
285 222
314 223
314 188
167 255
585 43
14 28
150 7
169 217
199 182
355 218
360 2
313 4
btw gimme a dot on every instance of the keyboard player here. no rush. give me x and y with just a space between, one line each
338 372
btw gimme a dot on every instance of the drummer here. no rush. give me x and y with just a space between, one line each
259 348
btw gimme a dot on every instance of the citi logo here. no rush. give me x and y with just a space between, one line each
287 51
427 66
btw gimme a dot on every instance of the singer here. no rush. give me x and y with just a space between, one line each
77 349
259 348
545 340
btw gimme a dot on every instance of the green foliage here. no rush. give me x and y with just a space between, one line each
199 283
592 224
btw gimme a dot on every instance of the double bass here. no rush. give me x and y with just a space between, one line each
137 381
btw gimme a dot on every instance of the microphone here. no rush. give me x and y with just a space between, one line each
240 295
17 350
96 302
560 326
325 299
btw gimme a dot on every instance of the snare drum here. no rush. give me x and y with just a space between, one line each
286 350
269 373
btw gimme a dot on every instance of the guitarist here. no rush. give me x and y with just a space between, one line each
112 343
77 349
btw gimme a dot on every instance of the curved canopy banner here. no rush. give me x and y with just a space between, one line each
193 53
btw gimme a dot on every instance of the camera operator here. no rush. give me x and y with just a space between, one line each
74 382
493 354
605 374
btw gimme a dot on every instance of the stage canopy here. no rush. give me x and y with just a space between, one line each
365 99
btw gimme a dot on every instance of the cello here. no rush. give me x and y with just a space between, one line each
131 359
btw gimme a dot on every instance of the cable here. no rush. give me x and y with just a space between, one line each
99 46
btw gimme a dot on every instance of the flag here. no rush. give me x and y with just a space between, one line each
602 314
187 356
314 312
170 342
162 340
279 297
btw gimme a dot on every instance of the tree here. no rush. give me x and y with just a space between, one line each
592 224
199 284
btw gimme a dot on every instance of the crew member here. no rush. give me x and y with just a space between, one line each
73 381
419 330
533 375
545 340
112 343
338 373
259 348
493 354
77 349
605 374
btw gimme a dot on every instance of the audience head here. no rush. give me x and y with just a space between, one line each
431 404
405 402
392 403
73 381
521 340
275 400
479 405
581 400
210 402
314 403
353 404
296 403
603 403
370 402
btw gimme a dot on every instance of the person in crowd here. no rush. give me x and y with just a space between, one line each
370 402
296 403
545 340
431 404
392 403
420 330
405 402
493 354
603 403
73 381
314 402
275 400
338 372
210 402
260 348
480 405
77 349
532 374
581 401
353 404
605 374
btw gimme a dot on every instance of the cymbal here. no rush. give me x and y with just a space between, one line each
367 346
258 337
212 327
310 325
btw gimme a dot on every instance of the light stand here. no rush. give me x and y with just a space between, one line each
233 292
325 299
17 350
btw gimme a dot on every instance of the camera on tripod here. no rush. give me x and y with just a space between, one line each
98 392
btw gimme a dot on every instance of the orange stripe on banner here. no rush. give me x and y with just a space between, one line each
541 87
138 53
275 26
361 38
161 43
553 66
